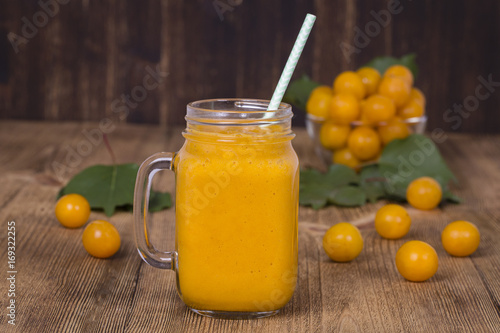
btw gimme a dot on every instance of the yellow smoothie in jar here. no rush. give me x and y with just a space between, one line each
236 220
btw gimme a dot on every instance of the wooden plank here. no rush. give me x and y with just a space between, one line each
469 157
374 39
328 60
62 288
66 277
143 22
90 53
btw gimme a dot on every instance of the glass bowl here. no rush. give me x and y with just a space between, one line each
313 126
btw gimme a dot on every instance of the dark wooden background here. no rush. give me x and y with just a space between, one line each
91 52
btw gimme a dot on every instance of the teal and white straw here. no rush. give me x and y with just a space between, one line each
292 62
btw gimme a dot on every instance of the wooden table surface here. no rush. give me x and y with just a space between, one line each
60 288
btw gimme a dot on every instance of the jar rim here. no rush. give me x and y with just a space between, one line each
236 111
240 105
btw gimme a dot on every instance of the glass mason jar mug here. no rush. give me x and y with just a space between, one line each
237 185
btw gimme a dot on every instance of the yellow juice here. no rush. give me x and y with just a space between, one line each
236 221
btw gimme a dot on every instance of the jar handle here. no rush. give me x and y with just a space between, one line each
142 218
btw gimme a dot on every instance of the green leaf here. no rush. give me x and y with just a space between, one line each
298 92
349 196
404 160
316 197
317 189
401 162
450 197
110 186
372 183
337 175
159 201
382 63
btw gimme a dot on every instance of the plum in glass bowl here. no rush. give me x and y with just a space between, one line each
314 125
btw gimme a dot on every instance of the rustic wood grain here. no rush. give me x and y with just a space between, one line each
91 53
60 288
